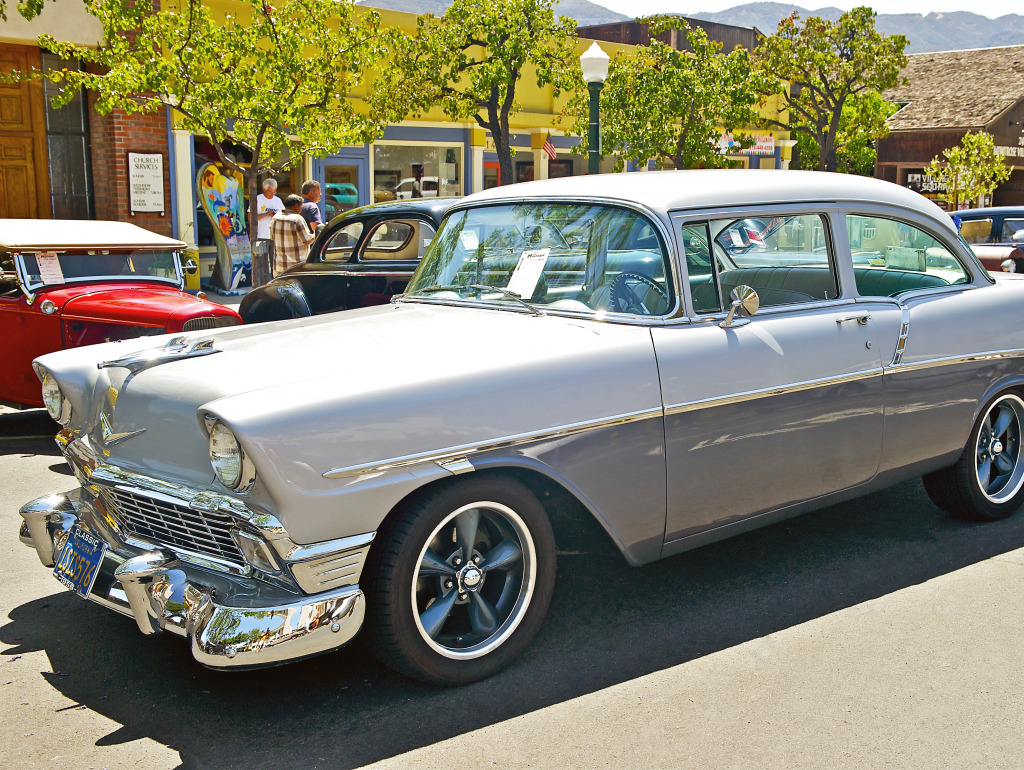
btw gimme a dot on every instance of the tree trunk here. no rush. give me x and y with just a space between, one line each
503 148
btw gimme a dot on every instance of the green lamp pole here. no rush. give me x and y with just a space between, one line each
594 63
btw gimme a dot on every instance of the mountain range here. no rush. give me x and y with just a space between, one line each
933 32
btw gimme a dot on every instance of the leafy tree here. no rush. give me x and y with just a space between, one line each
826 63
862 122
27 8
672 106
970 170
470 61
270 78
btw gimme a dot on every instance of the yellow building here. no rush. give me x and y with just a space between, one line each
452 158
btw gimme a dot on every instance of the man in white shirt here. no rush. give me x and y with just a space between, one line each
267 205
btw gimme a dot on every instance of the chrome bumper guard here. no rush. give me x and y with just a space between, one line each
231 621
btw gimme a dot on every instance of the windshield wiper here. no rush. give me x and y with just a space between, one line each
479 286
436 287
507 293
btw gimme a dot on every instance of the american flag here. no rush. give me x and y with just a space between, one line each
549 149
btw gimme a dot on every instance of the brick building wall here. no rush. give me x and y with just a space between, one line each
113 136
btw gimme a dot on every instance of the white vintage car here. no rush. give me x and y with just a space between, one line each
681 356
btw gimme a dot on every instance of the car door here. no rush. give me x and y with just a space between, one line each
783 407
933 385
27 332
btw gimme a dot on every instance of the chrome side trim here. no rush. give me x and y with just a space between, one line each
901 344
335 570
328 547
753 395
994 355
462 452
457 465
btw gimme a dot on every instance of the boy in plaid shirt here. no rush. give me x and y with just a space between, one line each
290 234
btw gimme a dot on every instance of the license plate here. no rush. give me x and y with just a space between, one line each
80 561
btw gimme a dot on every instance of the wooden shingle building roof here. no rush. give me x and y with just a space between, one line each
958 89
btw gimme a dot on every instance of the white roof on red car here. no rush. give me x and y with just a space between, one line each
63 234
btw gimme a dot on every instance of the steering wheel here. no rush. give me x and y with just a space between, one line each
625 300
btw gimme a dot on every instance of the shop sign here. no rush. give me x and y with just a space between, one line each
764 144
146 182
925 185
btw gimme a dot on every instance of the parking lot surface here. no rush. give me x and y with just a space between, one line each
876 633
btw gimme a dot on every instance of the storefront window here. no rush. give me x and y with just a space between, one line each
422 171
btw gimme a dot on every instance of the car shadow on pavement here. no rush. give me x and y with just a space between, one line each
608 623
28 432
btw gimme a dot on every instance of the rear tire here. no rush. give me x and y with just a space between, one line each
987 482
459 582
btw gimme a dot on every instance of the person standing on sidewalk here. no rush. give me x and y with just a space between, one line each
267 205
290 234
311 197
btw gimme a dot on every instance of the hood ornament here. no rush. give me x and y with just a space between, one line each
177 348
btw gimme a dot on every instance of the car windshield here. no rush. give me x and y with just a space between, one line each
48 268
571 257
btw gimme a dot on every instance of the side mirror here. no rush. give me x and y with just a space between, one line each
745 303
190 267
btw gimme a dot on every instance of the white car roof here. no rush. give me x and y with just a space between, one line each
665 191
60 234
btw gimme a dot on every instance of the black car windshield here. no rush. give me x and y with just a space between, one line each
560 256
58 267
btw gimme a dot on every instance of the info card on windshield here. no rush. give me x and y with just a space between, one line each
528 271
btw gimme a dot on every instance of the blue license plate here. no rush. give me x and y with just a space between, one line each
80 561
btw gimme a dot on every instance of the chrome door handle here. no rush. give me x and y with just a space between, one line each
861 319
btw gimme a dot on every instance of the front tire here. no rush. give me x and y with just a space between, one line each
460 581
987 482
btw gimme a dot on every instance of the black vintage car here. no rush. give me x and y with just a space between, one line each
362 257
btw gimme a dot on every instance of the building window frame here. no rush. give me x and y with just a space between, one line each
81 205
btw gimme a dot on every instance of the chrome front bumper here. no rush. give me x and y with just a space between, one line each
231 621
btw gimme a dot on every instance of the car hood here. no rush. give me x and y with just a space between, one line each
310 396
125 302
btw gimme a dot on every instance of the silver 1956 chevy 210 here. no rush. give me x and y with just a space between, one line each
682 356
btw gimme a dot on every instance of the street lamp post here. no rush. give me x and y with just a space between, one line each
594 63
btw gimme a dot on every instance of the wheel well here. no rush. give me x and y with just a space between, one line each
576 530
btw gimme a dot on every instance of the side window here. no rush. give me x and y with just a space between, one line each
976 230
341 245
891 257
1013 231
785 259
699 268
398 240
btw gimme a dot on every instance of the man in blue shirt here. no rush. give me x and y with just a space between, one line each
310 211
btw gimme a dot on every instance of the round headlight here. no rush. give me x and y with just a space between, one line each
54 400
225 456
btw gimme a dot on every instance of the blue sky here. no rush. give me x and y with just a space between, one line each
992 8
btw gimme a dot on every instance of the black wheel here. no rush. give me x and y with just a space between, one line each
624 298
987 482
460 581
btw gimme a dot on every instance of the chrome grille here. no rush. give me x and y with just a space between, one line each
209 322
165 523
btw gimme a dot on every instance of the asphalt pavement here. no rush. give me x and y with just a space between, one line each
876 633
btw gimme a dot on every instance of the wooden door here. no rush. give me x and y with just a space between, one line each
24 177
